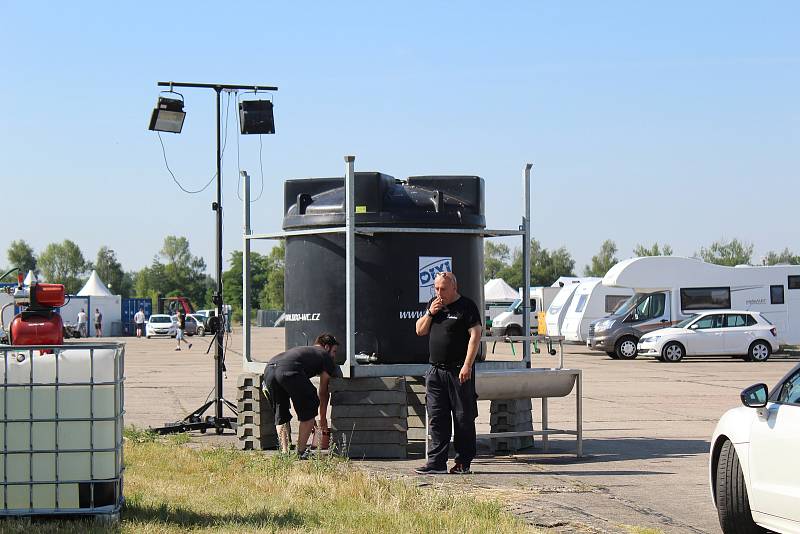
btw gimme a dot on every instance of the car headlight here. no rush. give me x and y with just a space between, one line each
651 339
603 325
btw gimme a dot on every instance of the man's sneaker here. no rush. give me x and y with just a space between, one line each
190 346
460 469
430 470
306 454
177 348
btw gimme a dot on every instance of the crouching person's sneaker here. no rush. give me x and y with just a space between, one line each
460 469
430 470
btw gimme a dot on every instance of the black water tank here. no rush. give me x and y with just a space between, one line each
394 271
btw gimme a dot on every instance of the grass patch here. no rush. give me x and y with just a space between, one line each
170 488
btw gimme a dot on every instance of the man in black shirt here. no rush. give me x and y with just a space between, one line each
288 376
454 325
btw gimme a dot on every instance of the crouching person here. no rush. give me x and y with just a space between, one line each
288 377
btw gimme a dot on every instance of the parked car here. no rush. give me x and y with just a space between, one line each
160 324
196 324
753 469
739 333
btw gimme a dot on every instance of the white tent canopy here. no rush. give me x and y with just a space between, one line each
30 278
497 290
94 287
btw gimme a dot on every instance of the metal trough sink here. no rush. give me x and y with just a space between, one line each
524 383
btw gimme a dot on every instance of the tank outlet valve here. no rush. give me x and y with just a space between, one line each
364 358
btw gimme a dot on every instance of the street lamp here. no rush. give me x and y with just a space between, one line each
168 117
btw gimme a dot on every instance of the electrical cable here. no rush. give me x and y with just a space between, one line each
222 154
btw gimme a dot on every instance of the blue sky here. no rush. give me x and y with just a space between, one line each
675 123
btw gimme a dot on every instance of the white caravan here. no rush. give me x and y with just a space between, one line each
591 301
557 312
669 289
509 323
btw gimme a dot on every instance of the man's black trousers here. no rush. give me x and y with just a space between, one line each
449 400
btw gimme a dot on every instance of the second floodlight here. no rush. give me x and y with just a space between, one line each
256 117
168 115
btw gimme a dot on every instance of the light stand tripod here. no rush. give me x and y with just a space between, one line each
196 420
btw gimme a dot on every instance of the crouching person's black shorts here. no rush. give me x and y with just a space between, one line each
287 382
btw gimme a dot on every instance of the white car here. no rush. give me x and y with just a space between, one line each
740 333
160 324
753 469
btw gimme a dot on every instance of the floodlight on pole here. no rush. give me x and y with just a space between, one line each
168 115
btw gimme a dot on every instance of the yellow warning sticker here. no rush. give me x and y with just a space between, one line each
361 209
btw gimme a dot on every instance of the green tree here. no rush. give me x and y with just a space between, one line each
782 258
110 271
730 253
260 267
63 263
20 255
545 266
641 250
175 272
603 261
271 296
495 258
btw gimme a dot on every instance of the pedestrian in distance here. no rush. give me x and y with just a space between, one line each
139 321
98 323
452 323
288 377
180 324
83 322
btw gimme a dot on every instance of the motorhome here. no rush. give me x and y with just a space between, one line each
670 289
555 314
509 323
590 301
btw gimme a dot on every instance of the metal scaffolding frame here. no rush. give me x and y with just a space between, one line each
351 367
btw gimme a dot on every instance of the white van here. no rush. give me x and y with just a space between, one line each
591 301
509 323
554 317
671 288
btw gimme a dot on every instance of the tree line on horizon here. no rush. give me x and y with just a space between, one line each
548 265
175 271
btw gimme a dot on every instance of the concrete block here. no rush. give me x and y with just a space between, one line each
255 444
506 418
368 410
253 431
392 383
415 434
248 380
255 419
368 397
415 409
260 403
417 399
376 451
347 424
415 421
512 406
369 437
415 387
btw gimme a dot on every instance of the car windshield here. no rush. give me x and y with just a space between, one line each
160 320
685 322
513 307
629 304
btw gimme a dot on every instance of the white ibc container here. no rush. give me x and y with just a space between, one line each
61 429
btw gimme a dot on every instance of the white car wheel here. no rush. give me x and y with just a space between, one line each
759 352
672 352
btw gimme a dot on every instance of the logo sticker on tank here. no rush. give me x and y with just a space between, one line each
428 267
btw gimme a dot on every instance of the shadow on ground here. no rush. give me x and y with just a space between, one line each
188 519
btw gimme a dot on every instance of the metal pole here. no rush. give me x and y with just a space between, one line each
218 353
526 263
350 255
246 270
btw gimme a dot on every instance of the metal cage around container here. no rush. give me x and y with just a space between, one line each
62 421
